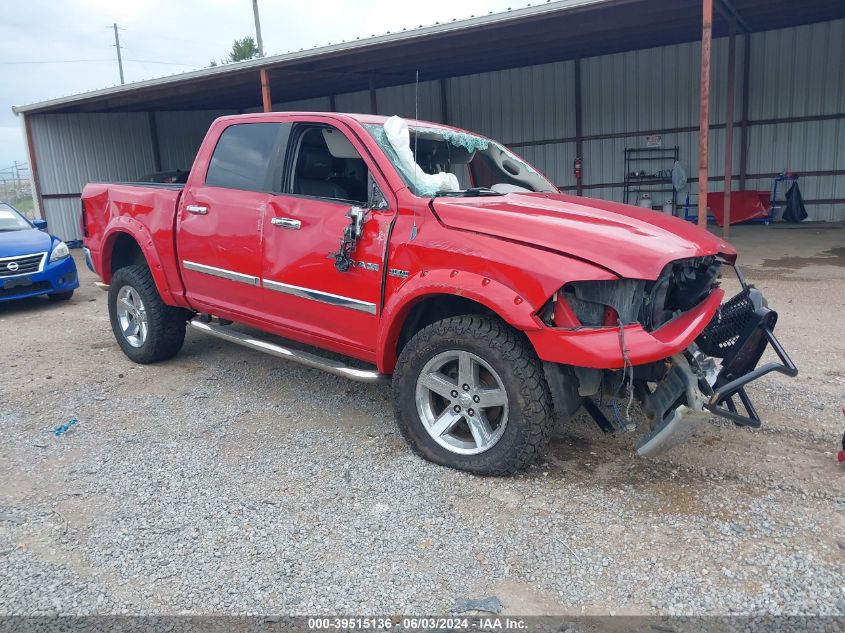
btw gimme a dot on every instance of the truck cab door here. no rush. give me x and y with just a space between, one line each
221 219
327 173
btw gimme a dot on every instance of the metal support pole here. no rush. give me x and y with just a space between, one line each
729 128
151 120
704 123
746 82
373 100
265 91
579 128
40 212
444 103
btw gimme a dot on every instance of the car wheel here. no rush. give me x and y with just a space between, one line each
147 329
470 394
61 296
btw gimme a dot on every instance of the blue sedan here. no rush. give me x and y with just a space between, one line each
33 262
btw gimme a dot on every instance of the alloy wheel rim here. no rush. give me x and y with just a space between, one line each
132 316
462 402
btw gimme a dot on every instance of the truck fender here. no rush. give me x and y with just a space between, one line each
123 225
502 300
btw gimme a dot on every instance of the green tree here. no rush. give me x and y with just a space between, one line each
244 48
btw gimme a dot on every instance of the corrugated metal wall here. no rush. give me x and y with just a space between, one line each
73 149
795 72
180 135
633 93
800 72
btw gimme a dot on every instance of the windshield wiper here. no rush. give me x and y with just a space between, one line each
472 192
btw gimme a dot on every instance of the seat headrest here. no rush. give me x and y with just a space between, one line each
315 163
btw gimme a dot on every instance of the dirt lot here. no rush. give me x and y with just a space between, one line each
225 481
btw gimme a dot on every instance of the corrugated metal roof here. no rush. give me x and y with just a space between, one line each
550 31
304 55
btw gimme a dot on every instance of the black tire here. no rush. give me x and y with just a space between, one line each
165 324
505 350
61 296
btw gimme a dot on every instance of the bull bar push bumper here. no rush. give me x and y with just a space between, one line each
739 334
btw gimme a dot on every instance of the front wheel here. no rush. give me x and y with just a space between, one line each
470 394
60 296
147 329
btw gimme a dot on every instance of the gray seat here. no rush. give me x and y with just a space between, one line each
312 172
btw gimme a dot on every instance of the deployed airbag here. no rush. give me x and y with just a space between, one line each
399 137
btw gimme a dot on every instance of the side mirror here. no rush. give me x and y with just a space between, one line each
41 225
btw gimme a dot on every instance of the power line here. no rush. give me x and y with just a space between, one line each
97 61
56 61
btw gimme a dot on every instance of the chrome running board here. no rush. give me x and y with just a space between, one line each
303 358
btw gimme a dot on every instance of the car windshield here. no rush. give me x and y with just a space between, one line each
11 220
435 161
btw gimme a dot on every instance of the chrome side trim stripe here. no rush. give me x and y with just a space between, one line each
317 295
231 275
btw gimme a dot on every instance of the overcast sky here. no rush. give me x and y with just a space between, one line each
184 33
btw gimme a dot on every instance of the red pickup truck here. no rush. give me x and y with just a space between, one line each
442 260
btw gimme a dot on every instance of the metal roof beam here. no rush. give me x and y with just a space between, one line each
727 7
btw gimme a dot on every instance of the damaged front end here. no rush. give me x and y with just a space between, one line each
737 336
681 392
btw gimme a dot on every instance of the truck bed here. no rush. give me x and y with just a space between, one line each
145 210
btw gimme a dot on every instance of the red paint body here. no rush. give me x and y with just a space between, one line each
510 253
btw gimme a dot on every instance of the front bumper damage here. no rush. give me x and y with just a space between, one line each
693 366
710 376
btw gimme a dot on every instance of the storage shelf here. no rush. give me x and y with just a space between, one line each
649 183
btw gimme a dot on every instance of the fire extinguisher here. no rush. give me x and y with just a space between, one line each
577 166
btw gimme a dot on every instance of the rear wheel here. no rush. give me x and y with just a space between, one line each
147 329
470 394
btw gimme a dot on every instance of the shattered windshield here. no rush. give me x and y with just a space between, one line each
436 161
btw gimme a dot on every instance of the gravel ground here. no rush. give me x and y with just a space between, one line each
225 481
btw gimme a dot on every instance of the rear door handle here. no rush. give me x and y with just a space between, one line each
196 209
287 223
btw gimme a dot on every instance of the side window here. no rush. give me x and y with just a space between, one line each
246 156
327 165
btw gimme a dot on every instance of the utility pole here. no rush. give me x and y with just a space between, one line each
119 59
17 189
257 29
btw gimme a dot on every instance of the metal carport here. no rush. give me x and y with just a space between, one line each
558 80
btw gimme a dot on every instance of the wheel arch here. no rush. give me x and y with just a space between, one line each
437 295
127 244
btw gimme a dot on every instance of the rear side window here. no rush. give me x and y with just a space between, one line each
246 156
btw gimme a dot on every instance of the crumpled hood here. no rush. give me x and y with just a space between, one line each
632 242
26 242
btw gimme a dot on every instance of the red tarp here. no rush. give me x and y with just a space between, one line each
745 206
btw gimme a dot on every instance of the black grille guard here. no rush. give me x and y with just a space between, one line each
739 334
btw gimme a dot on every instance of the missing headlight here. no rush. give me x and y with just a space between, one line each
590 301
681 286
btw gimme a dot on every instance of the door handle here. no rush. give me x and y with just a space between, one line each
196 209
286 223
